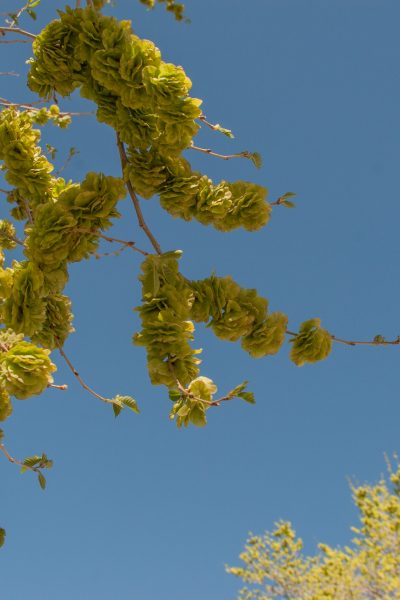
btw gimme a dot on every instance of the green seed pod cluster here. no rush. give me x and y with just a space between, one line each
57 324
143 98
7 235
234 312
24 309
6 407
267 337
8 339
226 206
25 370
191 407
146 101
166 328
26 167
311 344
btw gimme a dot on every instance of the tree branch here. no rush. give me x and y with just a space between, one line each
4 30
378 340
136 204
244 154
79 378
4 102
110 239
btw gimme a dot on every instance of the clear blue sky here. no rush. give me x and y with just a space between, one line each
135 508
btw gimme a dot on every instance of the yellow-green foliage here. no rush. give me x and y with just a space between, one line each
25 370
146 101
313 343
275 566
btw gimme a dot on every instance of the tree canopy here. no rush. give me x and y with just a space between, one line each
275 565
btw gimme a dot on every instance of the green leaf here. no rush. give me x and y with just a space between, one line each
256 159
247 397
31 461
1 435
289 195
116 408
121 401
227 132
238 389
174 395
42 480
2 536
23 469
33 3
31 13
288 204
198 416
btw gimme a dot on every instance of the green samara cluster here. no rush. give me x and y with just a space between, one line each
146 101
170 305
62 221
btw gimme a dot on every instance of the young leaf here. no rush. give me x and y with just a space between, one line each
227 132
42 480
256 159
288 204
247 397
2 536
31 461
1 435
121 401
31 13
117 409
174 395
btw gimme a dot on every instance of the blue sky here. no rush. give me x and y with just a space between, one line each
135 508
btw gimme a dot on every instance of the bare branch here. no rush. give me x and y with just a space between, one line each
136 204
4 30
79 378
14 42
110 239
63 387
244 154
377 341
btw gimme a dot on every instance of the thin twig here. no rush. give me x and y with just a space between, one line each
216 127
4 30
113 253
27 104
136 204
28 210
244 154
4 102
110 239
61 387
203 119
79 378
14 41
15 461
19 13
375 342
13 238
